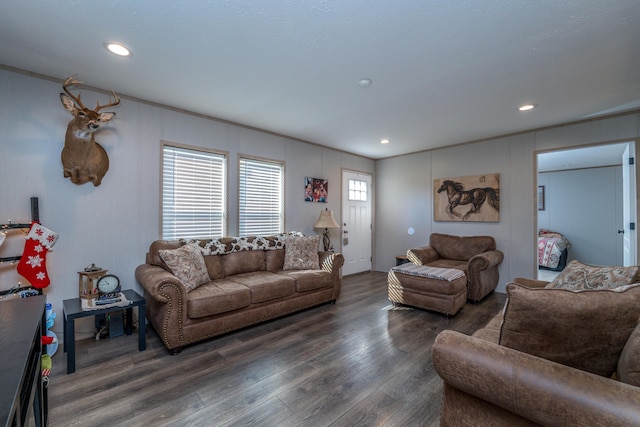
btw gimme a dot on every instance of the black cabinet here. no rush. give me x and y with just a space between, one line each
23 399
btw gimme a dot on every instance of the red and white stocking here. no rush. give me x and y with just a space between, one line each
33 263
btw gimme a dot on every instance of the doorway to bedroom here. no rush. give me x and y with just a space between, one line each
587 196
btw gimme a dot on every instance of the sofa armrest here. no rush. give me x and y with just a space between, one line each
331 262
485 260
533 388
166 299
155 280
531 283
422 255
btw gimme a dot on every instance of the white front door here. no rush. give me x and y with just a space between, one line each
356 225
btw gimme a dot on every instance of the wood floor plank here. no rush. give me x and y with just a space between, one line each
358 362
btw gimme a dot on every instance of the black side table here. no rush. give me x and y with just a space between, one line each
401 259
72 310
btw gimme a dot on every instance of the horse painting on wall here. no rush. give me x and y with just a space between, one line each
467 198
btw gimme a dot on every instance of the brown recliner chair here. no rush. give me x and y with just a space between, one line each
477 256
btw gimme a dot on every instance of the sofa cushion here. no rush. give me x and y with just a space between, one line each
308 280
218 296
274 260
243 262
214 266
583 329
449 263
628 370
265 286
187 264
301 253
577 276
460 248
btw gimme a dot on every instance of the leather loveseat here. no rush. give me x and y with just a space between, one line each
476 256
245 281
492 379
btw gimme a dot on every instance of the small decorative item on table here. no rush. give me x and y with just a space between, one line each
88 281
108 290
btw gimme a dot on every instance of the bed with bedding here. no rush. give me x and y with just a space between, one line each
552 250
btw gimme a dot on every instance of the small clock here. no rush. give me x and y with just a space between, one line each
108 286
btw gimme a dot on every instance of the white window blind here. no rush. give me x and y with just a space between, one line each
261 197
193 193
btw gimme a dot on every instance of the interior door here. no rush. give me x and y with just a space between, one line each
629 205
356 222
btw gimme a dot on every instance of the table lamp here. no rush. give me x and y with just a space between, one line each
326 221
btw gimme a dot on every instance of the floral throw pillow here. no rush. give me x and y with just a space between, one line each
187 264
301 253
579 277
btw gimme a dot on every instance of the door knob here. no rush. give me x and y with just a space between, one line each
620 231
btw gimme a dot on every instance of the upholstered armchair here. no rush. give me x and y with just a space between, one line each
560 353
477 256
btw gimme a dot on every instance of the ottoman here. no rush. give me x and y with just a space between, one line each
443 290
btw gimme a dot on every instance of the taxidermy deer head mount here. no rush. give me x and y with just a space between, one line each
83 159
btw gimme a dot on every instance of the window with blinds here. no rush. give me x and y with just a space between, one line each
261 199
193 193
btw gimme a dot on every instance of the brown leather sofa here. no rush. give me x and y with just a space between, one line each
488 384
476 256
245 287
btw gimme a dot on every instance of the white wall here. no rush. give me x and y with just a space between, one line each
585 205
112 225
404 190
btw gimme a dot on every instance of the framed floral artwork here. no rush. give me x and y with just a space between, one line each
316 190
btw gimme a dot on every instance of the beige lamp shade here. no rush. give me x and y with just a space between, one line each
326 221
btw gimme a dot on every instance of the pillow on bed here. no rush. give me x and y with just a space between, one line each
548 233
578 277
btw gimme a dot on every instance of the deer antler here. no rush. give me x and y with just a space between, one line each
71 80
116 101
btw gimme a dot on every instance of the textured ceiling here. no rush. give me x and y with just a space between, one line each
443 72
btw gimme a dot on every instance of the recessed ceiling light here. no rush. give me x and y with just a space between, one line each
364 82
526 107
117 49
384 141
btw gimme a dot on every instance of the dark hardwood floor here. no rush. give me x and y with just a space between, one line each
354 363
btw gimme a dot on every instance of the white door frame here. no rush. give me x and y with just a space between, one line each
632 241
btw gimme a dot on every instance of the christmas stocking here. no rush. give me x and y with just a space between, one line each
33 263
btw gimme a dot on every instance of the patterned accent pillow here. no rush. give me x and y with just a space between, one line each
227 245
187 264
579 277
301 253
211 246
